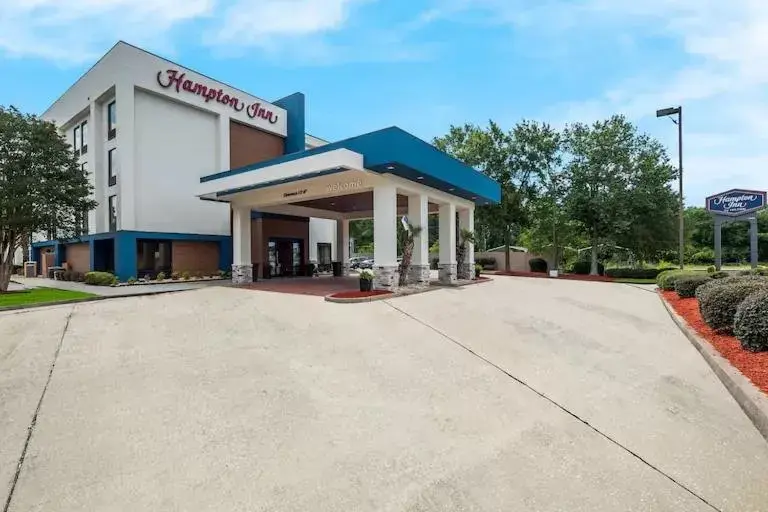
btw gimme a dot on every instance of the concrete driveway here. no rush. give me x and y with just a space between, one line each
519 394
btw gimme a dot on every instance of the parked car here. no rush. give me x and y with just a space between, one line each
367 263
354 262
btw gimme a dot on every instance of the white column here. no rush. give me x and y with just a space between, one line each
418 216
342 245
447 263
467 222
385 236
242 266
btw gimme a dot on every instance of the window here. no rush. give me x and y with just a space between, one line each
153 256
83 219
76 140
111 121
112 166
113 213
83 138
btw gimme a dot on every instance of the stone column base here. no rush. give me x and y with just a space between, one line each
447 273
386 278
242 274
466 271
418 276
345 269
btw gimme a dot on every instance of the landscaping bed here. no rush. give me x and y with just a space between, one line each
571 277
352 296
754 365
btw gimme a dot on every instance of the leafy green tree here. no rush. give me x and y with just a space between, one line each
42 187
510 158
616 177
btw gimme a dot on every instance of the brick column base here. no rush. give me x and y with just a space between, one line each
386 278
242 274
447 273
345 269
466 271
418 276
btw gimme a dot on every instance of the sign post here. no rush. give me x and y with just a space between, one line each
732 206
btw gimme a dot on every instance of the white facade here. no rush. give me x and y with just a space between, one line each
171 126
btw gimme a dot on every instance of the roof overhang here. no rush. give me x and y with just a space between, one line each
389 151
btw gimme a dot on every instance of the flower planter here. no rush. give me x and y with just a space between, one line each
366 285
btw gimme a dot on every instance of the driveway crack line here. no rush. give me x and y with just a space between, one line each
556 404
32 424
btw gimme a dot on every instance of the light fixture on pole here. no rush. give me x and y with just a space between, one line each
668 112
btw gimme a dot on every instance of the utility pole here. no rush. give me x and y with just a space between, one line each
681 235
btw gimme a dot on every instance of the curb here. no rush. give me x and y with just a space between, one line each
431 288
353 300
750 399
23 307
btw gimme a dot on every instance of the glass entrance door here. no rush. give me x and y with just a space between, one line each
285 257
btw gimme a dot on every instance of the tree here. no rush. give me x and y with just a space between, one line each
615 179
42 187
510 159
405 242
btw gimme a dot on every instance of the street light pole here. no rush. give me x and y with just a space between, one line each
681 228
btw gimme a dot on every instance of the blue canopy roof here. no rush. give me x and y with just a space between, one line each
393 150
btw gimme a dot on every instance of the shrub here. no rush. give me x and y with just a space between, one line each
583 267
634 273
686 285
100 278
366 274
160 276
131 280
478 269
718 305
729 279
222 274
711 269
720 274
486 263
175 276
703 257
750 323
185 275
666 280
538 265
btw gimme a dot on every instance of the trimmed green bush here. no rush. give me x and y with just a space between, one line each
583 268
711 269
487 263
100 278
718 305
720 274
750 323
666 280
730 279
634 273
160 276
686 286
538 265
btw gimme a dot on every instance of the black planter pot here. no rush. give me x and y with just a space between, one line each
366 285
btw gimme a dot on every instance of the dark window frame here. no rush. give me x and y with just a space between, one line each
76 140
83 138
111 174
111 120
112 211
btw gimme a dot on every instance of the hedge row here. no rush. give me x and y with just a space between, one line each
635 273
686 285
584 268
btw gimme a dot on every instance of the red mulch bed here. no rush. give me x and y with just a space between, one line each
357 294
753 365
572 277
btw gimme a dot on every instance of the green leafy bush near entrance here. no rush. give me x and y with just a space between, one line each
584 267
729 279
666 280
719 304
750 324
538 265
634 273
686 286
160 276
720 274
100 278
486 263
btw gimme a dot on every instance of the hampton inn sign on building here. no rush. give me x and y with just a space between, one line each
193 174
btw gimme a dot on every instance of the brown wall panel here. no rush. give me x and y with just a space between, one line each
195 257
78 257
248 145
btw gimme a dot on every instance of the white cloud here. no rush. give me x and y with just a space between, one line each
76 31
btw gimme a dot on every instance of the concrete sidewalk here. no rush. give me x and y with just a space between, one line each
229 399
116 291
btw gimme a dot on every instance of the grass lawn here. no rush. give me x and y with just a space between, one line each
39 296
632 280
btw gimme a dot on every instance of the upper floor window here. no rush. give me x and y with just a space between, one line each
83 138
112 213
112 166
76 140
111 120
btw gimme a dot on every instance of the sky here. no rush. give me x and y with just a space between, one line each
424 65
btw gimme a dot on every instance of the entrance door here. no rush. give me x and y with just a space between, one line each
285 257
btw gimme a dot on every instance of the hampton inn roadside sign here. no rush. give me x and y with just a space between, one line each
736 202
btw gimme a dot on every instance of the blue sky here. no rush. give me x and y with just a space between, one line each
426 64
